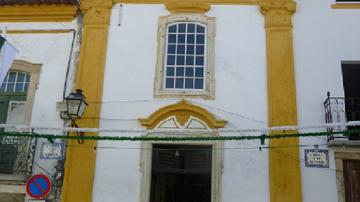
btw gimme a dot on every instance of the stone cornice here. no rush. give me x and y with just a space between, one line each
345 6
187 7
219 2
38 13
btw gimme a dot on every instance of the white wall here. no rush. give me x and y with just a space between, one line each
323 37
240 89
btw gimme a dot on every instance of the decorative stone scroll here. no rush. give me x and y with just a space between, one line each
278 13
96 12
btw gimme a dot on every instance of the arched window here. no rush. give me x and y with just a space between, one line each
185 56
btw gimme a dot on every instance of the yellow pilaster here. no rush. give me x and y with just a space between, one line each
80 161
284 162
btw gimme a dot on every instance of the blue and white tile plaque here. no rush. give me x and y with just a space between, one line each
317 158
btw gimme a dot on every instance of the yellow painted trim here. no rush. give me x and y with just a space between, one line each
220 2
345 6
187 7
80 161
38 13
182 111
284 163
38 31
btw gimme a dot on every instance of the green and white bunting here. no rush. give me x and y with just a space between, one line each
7 56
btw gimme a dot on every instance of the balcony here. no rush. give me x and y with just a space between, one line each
16 158
342 110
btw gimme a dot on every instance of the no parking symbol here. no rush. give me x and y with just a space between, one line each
38 186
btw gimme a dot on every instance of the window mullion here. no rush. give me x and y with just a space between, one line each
15 82
176 53
7 81
185 55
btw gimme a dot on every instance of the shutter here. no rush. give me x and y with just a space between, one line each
4 100
8 154
198 159
164 158
14 113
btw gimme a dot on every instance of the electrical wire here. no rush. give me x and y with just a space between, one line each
260 148
170 99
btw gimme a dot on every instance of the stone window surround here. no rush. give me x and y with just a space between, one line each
208 92
34 71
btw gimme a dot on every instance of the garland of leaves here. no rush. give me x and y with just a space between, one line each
262 138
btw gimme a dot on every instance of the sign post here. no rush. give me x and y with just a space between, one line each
38 186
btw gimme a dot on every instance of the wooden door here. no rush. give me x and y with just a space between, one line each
181 173
351 169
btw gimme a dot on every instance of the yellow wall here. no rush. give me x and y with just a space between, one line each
80 161
284 174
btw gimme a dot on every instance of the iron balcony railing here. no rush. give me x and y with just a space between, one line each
17 156
342 110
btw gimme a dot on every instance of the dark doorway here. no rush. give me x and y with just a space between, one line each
351 81
181 173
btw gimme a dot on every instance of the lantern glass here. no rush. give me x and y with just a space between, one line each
75 104
82 109
73 108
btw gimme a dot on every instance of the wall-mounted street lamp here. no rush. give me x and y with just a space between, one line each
73 108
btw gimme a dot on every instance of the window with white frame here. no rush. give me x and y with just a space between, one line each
185 55
16 82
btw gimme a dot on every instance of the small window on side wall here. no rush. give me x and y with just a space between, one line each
185 52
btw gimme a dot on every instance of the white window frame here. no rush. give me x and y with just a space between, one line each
34 71
208 91
23 83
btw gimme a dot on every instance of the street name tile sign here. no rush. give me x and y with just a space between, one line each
51 151
317 158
